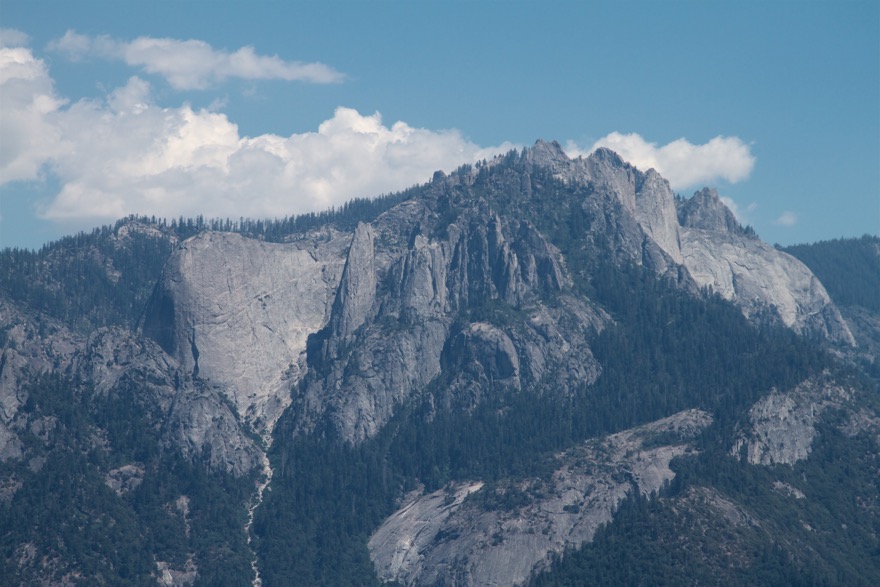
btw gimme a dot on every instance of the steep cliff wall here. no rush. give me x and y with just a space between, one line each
757 277
701 235
408 313
236 313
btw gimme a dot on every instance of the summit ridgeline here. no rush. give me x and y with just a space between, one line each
523 368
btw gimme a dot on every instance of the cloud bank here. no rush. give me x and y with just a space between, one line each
27 116
125 154
191 64
681 162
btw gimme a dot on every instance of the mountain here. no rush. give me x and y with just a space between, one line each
535 370
851 270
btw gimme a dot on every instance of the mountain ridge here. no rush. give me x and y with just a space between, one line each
528 304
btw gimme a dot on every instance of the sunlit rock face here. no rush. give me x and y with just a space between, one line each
650 227
236 312
760 279
408 312
781 426
469 533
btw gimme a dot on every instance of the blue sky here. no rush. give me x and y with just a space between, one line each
271 108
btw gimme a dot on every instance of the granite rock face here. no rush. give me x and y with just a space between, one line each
192 417
469 533
760 279
357 288
701 237
236 313
116 364
781 426
32 345
705 211
420 302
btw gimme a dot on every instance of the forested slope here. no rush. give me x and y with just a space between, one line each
494 336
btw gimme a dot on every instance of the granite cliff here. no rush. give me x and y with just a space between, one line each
469 533
236 312
480 299
702 235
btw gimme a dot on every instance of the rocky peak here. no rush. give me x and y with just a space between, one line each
761 280
447 296
699 239
706 211
603 169
547 154
644 194
357 288
605 156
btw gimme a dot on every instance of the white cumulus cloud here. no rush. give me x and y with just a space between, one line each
681 162
28 115
192 64
126 154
